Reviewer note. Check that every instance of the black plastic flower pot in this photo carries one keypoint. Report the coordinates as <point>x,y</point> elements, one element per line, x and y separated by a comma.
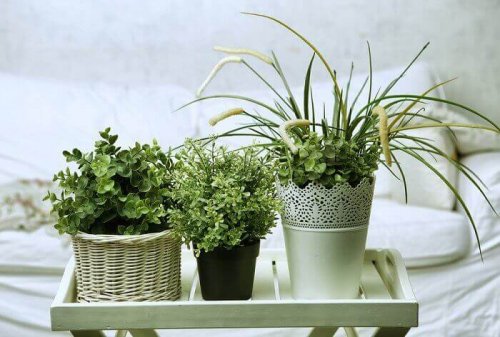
<point>228,274</point>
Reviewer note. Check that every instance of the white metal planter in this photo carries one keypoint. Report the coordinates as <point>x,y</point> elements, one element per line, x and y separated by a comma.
<point>325,236</point>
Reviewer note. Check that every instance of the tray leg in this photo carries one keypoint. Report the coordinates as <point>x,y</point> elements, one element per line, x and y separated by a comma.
<point>143,333</point>
<point>87,333</point>
<point>391,332</point>
<point>323,332</point>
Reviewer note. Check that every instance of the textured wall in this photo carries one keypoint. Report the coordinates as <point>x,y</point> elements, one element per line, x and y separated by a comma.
<point>169,41</point>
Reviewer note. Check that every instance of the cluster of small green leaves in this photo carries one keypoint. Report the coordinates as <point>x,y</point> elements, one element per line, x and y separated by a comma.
<point>328,160</point>
<point>115,191</point>
<point>223,198</point>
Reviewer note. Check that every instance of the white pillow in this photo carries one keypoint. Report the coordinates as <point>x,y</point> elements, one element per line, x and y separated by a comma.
<point>486,166</point>
<point>424,187</point>
<point>469,141</point>
<point>41,118</point>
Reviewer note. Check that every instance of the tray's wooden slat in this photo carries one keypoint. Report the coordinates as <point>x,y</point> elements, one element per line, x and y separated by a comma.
<point>263,288</point>
<point>67,288</point>
<point>188,273</point>
<point>391,268</point>
<point>195,290</point>
<point>234,314</point>
<point>283,280</point>
<point>372,284</point>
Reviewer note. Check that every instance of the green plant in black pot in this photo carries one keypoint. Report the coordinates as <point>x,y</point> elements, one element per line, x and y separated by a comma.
<point>226,203</point>
<point>114,206</point>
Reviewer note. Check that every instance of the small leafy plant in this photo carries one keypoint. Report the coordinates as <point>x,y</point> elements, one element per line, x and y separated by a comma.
<point>328,160</point>
<point>114,191</point>
<point>223,198</point>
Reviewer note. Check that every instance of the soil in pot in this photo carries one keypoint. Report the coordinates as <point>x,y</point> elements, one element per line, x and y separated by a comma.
<point>228,274</point>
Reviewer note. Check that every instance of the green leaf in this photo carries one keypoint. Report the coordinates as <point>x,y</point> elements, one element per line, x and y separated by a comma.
<point>316,155</point>
<point>77,153</point>
<point>320,168</point>
<point>112,139</point>
<point>105,186</point>
<point>309,164</point>
<point>144,185</point>
<point>307,83</point>
<point>329,152</point>
<point>283,172</point>
<point>100,165</point>
<point>105,134</point>
<point>395,81</point>
<point>83,182</point>
<point>292,100</point>
<point>303,153</point>
<point>129,210</point>
<point>136,179</point>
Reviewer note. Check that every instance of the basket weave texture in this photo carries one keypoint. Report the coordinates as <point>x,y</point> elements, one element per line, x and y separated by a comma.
<point>117,268</point>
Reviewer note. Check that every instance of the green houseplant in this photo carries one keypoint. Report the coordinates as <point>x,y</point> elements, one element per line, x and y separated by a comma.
<point>114,206</point>
<point>226,203</point>
<point>327,161</point>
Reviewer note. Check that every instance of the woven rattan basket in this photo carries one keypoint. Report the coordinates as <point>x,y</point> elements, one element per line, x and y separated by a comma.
<point>127,267</point>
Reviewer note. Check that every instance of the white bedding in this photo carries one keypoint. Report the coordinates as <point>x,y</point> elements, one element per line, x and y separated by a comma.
<point>460,298</point>
<point>46,117</point>
<point>456,298</point>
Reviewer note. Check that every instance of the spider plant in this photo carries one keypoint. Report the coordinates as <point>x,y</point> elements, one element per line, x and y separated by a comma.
<point>348,143</point>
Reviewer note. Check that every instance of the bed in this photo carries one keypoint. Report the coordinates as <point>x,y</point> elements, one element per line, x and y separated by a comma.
<point>458,294</point>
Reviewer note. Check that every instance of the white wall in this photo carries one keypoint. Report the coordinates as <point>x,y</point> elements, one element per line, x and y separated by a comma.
<point>156,41</point>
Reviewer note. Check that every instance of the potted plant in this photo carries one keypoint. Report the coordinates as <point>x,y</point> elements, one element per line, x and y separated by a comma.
<point>327,163</point>
<point>226,203</point>
<point>114,206</point>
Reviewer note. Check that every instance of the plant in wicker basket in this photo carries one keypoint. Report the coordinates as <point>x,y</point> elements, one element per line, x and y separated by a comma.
<point>115,208</point>
<point>327,161</point>
<point>226,203</point>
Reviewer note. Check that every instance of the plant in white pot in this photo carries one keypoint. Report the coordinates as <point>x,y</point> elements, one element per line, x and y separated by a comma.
<point>226,203</point>
<point>327,162</point>
<point>114,206</point>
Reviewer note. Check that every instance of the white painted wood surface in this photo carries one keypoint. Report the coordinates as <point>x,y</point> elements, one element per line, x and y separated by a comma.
<point>386,300</point>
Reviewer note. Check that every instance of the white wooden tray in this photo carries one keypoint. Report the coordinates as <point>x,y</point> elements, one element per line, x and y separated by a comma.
<point>386,300</point>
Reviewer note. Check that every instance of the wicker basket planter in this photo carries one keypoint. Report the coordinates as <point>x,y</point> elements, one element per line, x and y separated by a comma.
<point>127,267</point>
<point>325,236</point>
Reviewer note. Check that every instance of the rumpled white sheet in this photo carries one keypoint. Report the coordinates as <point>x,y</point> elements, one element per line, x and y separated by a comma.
<point>459,299</point>
<point>456,299</point>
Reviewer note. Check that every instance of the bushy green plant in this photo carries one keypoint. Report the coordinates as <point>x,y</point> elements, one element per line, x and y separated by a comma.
<point>114,191</point>
<point>223,198</point>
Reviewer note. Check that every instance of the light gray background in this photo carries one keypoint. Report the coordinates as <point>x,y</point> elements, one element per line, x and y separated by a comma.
<point>152,41</point>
